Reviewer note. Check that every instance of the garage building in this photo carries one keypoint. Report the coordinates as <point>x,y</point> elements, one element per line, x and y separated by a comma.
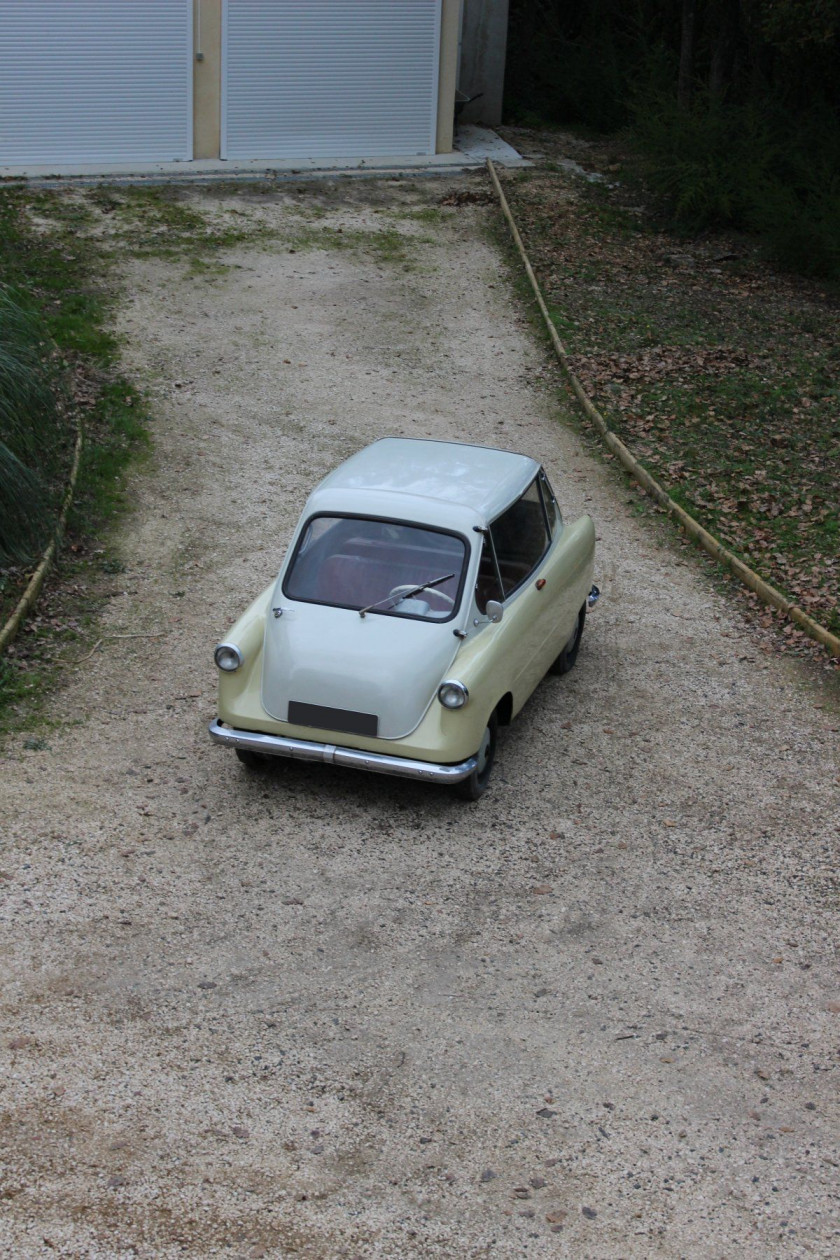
<point>87,82</point>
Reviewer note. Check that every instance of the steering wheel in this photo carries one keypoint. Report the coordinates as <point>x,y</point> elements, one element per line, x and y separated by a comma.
<point>432,590</point>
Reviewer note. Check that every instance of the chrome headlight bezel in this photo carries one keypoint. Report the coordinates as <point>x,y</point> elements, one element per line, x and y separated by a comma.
<point>457,694</point>
<point>228,658</point>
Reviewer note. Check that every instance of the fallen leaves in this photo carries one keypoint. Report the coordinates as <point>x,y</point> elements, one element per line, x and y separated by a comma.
<point>722,380</point>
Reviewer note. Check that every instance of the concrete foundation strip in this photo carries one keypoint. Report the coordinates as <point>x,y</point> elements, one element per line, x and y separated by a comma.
<point>763,589</point>
<point>37,580</point>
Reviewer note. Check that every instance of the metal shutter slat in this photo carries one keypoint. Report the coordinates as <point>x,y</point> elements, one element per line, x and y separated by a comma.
<point>93,81</point>
<point>329,79</point>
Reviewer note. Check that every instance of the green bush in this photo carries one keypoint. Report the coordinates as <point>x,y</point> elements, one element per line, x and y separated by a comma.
<point>32,432</point>
<point>757,148</point>
<point>798,212</point>
<point>709,164</point>
<point>802,235</point>
<point>750,167</point>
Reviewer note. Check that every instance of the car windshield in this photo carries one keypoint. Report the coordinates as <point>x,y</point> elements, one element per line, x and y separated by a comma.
<point>377,567</point>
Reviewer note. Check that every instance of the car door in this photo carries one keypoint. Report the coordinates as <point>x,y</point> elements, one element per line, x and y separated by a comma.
<point>520,542</point>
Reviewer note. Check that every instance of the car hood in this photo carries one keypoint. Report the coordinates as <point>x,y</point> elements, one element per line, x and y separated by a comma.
<point>316,657</point>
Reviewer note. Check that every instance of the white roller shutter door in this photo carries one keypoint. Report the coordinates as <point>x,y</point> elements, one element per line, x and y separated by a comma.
<point>329,78</point>
<point>95,81</point>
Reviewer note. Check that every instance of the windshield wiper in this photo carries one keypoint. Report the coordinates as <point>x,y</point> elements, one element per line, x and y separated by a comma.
<point>407,594</point>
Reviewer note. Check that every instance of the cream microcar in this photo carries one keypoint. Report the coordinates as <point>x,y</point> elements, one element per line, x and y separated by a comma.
<point>427,589</point>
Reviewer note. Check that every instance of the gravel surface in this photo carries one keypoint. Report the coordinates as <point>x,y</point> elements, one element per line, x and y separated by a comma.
<point>316,1013</point>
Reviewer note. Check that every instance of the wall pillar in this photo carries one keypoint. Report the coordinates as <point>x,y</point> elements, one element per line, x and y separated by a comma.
<point>207,78</point>
<point>450,24</point>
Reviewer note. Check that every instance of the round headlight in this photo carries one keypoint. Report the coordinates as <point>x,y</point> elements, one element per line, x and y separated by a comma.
<point>228,657</point>
<point>453,694</point>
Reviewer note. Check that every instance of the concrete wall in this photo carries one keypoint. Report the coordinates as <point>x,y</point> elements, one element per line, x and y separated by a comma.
<point>483,49</point>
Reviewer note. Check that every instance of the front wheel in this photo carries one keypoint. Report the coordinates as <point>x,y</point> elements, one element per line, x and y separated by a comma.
<point>472,788</point>
<point>568,656</point>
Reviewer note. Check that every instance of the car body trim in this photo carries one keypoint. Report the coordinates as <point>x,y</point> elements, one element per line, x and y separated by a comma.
<point>354,758</point>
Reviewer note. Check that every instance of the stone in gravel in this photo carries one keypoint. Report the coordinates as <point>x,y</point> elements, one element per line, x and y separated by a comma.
<point>538,1183</point>
<point>557,1217</point>
<point>116,1181</point>
<point>487,1175</point>
<point>589,1213</point>
<point>522,1192</point>
<point>207,984</point>
<point>240,1131</point>
<point>545,1113</point>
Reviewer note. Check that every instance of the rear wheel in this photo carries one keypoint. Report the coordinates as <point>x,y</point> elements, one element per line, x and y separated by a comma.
<point>568,656</point>
<point>472,788</point>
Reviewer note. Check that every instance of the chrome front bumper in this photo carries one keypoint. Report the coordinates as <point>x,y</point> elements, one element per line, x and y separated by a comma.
<point>355,758</point>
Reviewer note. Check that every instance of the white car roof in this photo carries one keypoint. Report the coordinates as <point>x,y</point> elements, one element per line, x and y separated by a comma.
<point>393,471</point>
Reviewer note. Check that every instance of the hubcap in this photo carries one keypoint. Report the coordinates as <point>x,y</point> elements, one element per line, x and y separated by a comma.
<point>484,751</point>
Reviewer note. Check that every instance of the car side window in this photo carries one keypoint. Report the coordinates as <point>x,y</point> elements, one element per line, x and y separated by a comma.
<point>520,538</point>
<point>487,584</point>
<point>552,511</point>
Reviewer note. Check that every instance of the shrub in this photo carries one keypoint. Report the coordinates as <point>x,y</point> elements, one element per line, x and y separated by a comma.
<point>751,167</point>
<point>708,164</point>
<point>32,431</point>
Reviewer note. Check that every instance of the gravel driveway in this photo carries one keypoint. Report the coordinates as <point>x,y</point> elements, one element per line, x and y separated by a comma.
<point>323,1014</point>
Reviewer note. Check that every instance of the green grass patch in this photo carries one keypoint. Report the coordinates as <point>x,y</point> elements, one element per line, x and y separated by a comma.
<point>386,245</point>
<point>198,226</point>
<point>50,253</point>
<point>173,223</point>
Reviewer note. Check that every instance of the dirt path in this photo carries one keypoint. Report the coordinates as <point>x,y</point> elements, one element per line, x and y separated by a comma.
<point>322,1014</point>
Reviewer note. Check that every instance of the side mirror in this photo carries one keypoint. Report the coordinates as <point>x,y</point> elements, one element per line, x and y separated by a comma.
<point>494,611</point>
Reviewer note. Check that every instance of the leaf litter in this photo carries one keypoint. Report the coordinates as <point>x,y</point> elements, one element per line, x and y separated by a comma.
<point>720,374</point>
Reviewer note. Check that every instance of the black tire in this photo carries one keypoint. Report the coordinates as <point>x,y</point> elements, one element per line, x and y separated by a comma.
<point>475,786</point>
<point>564,662</point>
<point>253,760</point>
